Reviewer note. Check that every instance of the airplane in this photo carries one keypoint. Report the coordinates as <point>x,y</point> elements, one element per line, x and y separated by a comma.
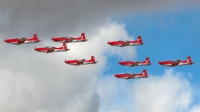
<point>136,63</point>
<point>23,40</point>
<point>50,49</point>
<point>132,76</point>
<point>121,43</point>
<point>68,39</point>
<point>81,62</point>
<point>171,63</point>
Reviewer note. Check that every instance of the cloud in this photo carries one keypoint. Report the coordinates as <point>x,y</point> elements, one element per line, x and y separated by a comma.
<point>170,92</point>
<point>47,17</point>
<point>33,81</point>
<point>195,108</point>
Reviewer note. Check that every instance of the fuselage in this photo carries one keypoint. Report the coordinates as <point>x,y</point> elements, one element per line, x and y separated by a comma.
<point>17,41</point>
<point>124,43</point>
<point>131,63</point>
<point>130,76</point>
<point>68,39</point>
<point>175,63</point>
<point>80,62</point>
<point>51,49</point>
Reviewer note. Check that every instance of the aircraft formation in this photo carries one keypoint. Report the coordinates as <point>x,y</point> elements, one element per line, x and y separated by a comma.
<point>146,62</point>
<point>51,49</point>
<point>82,38</point>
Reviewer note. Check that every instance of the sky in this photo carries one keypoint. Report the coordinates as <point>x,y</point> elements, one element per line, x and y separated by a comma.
<point>37,82</point>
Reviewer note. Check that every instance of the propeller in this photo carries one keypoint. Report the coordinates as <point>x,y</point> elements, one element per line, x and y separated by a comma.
<point>119,59</point>
<point>158,59</point>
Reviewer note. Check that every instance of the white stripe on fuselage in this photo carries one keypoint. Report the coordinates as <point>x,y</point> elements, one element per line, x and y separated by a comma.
<point>28,42</point>
<point>79,40</point>
<point>141,64</point>
<point>60,50</point>
<point>181,64</point>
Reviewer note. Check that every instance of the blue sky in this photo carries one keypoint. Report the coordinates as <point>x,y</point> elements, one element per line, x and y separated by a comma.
<point>167,35</point>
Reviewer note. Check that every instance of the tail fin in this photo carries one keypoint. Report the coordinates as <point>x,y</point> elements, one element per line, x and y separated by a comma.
<point>92,58</point>
<point>35,36</point>
<point>144,73</point>
<point>140,39</point>
<point>189,59</point>
<point>147,60</point>
<point>83,36</point>
<point>64,46</point>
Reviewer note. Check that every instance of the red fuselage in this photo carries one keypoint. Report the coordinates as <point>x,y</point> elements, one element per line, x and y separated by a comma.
<point>174,63</point>
<point>171,63</point>
<point>135,63</point>
<point>50,49</point>
<point>132,63</point>
<point>121,43</point>
<point>132,76</point>
<point>68,39</point>
<point>81,62</point>
<point>63,39</point>
<point>23,40</point>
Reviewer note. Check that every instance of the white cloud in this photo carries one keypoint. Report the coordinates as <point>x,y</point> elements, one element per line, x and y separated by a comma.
<point>36,82</point>
<point>196,108</point>
<point>170,92</point>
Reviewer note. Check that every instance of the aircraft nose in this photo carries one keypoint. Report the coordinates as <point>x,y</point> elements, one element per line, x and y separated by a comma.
<point>120,63</point>
<point>6,40</point>
<point>53,39</point>
<point>66,61</point>
<point>116,75</point>
<point>36,49</point>
<point>159,62</point>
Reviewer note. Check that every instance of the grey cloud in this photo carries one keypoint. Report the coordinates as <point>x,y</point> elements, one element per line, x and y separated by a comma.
<point>48,17</point>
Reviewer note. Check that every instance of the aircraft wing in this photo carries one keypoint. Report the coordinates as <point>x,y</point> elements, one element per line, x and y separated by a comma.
<point>175,63</point>
<point>51,49</point>
<point>81,61</point>
<point>125,43</point>
<point>22,40</point>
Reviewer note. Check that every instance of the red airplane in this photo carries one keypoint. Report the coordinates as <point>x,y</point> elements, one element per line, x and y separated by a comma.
<point>81,62</point>
<point>66,39</point>
<point>132,76</point>
<point>137,63</point>
<point>23,40</point>
<point>171,63</point>
<point>50,49</point>
<point>121,43</point>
